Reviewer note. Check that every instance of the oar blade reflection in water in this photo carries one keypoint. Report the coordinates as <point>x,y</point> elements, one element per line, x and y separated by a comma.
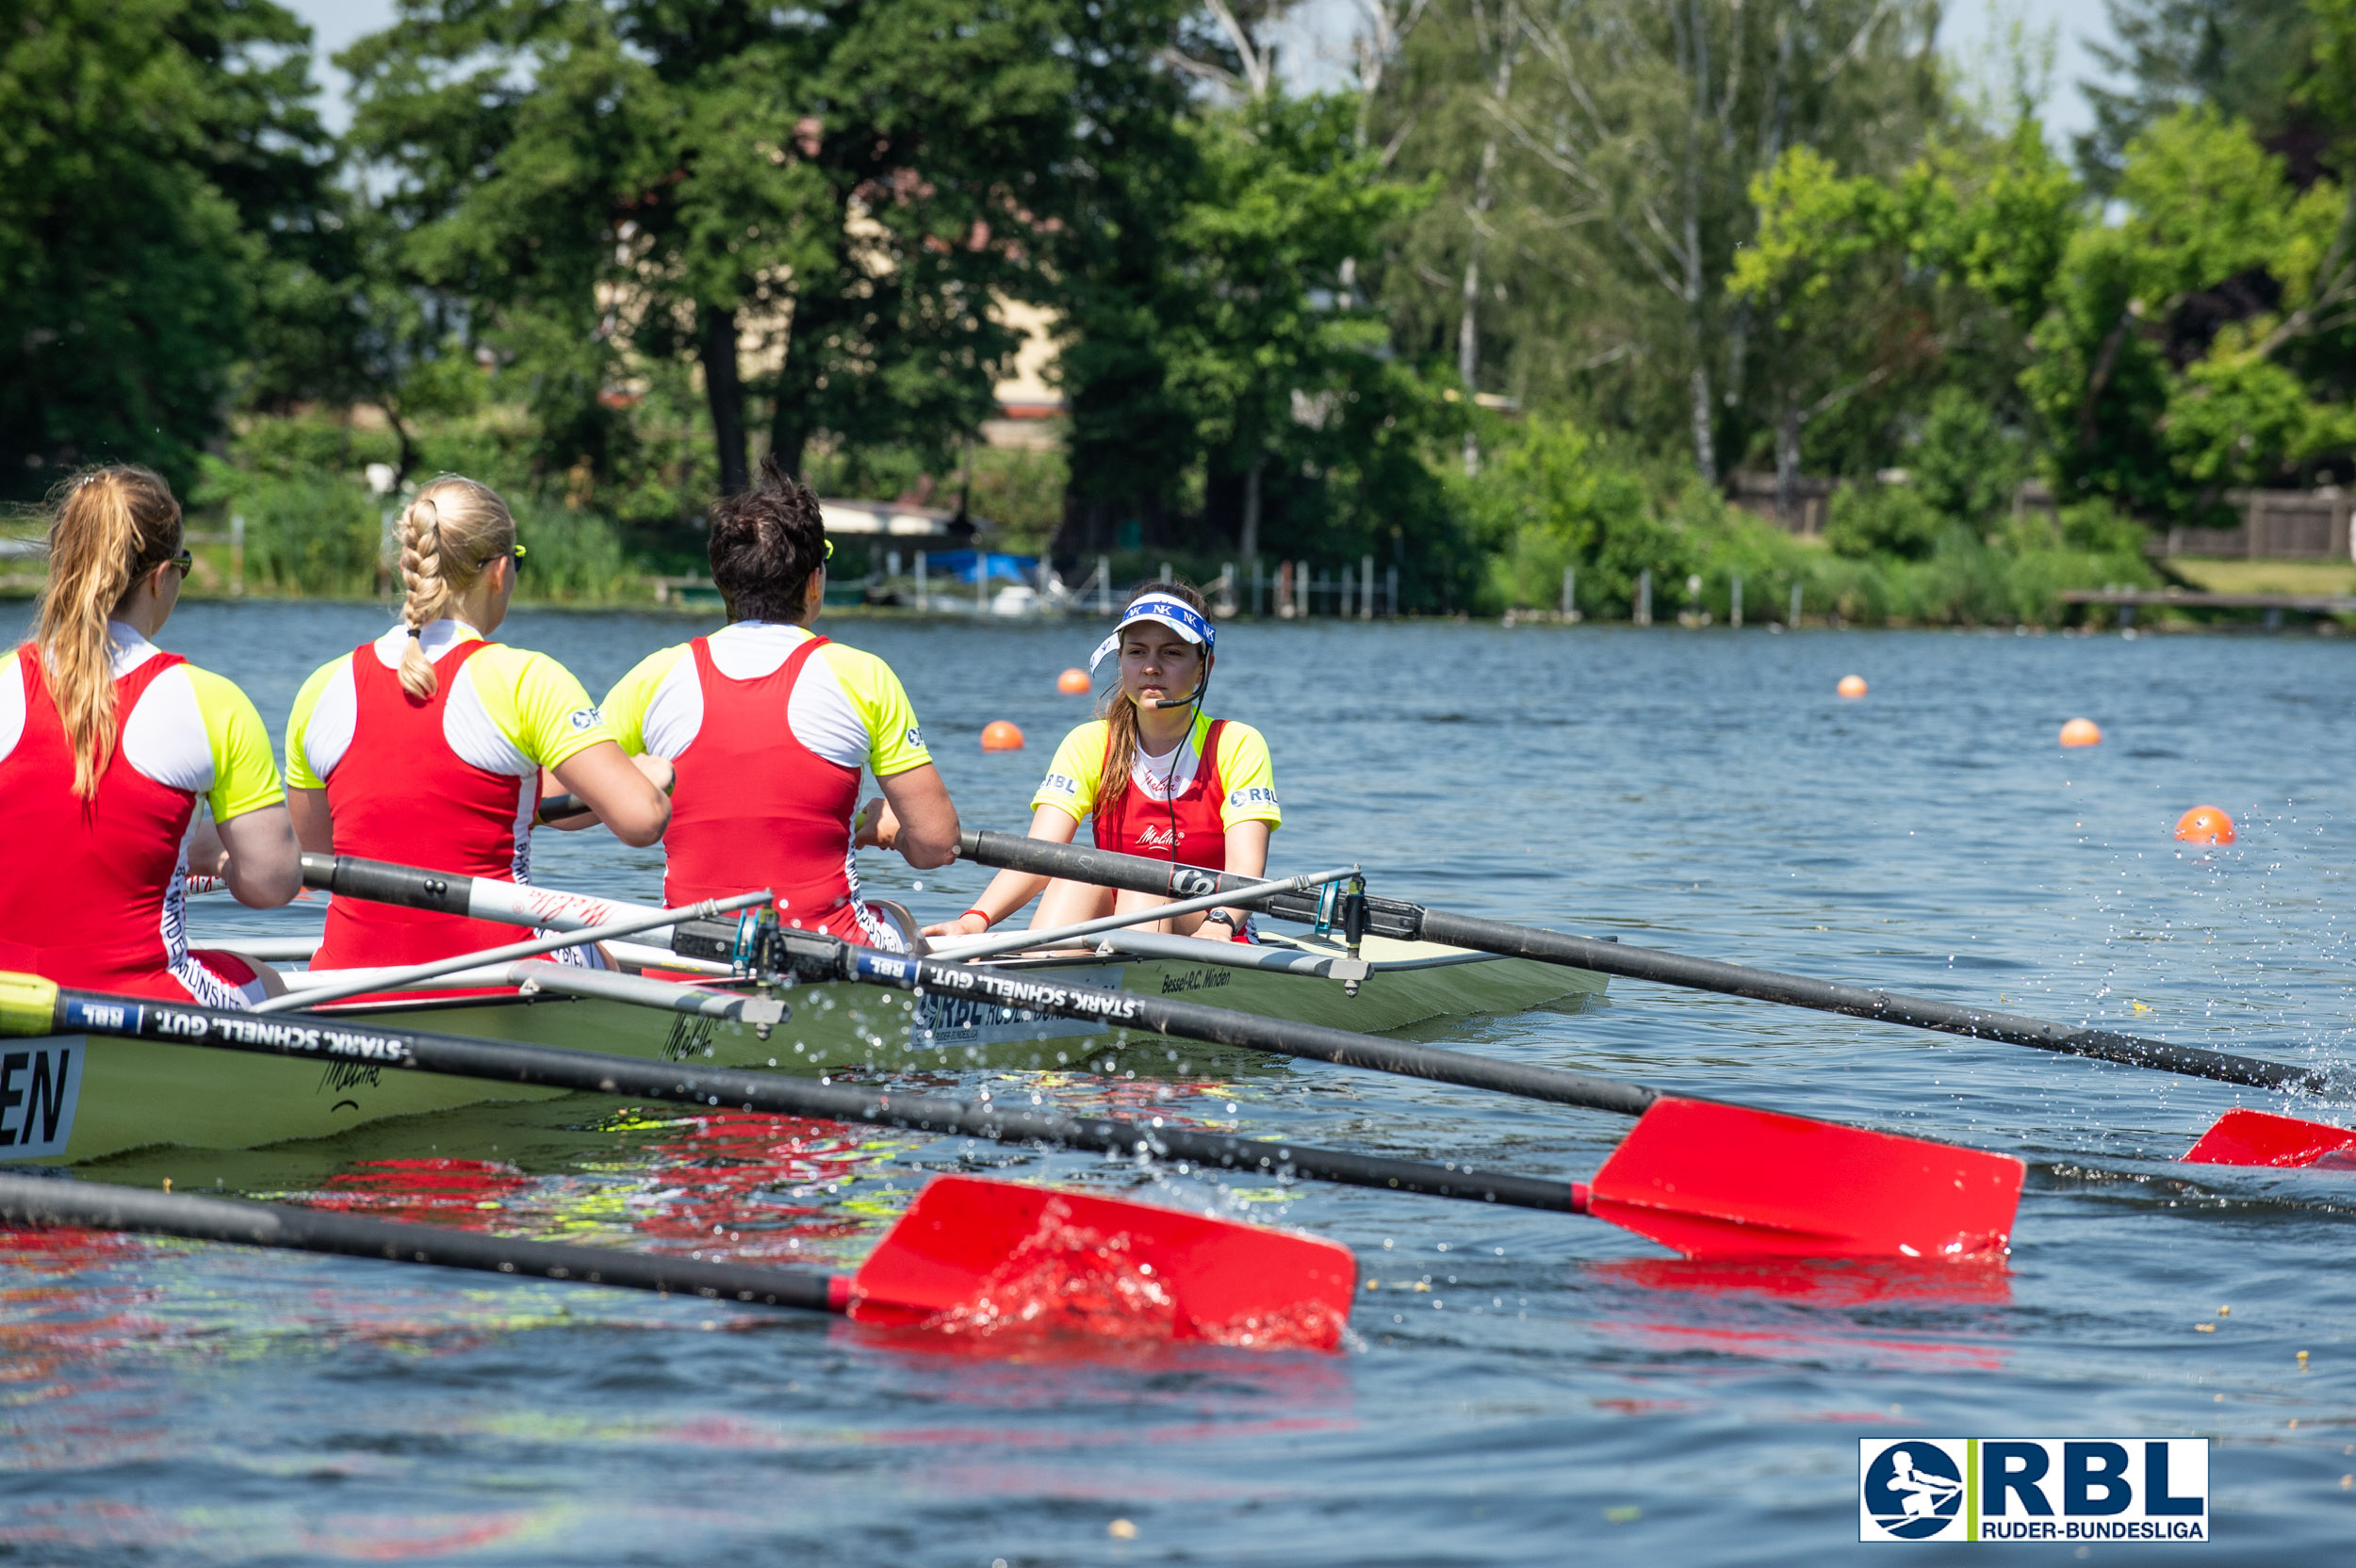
<point>1717,1181</point>
<point>2284,1142</point>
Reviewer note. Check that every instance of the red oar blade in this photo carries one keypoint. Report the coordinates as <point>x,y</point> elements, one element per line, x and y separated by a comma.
<point>977,1258</point>
<point>1714,1180</point>
<point>2261,1138</point>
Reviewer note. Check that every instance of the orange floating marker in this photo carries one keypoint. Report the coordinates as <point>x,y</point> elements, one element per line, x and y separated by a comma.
<point>1073,682</point>
<point>998,735</point>
<point>2082,732</point>
<point>1852,686</point>
<point>2205,824</point>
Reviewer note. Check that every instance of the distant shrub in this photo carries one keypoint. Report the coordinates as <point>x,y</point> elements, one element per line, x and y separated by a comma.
<point>1882,519</point>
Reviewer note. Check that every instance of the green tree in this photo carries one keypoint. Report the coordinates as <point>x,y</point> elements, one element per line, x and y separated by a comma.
<point>817,207</point>
<point>158,165</point>
<point>1626,136</point>
<point>2242,58</point>
<point>2206,340</point>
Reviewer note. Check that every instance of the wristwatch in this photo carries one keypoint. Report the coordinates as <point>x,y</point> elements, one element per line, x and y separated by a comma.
<point>1222,917</point>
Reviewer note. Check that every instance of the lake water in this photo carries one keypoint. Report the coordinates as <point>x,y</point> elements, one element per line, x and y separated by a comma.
<point>1557,1393</point>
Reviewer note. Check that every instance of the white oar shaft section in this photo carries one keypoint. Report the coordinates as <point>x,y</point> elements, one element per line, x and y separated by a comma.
<point>531,975</point>
<point>378,979</point>
<point>983,947</point>
<point>476,897</point>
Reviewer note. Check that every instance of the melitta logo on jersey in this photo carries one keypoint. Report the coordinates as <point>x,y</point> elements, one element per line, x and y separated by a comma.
<point>1161,838</point>
<point>2033,1488</point>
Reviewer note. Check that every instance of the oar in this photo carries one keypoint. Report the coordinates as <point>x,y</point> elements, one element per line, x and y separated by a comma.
<point>969,1255</point>
<point>1412,922</point>
<point>361,982</point>
<point>1701,1178</point>
<point>2262,1137</point>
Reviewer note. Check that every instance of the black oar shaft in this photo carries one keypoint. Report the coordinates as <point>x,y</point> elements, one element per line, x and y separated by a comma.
<point>38,1200</point>
<point>311,1038</point>
<point>1395,918</point>
<point>1030,991</point>
<point>1671,969</point>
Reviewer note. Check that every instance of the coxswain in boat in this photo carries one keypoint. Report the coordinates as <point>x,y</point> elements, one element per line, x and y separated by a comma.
<point>1156,775</point>
<point>106,744</point>
<point>427,745</point>
<point>768,725</point>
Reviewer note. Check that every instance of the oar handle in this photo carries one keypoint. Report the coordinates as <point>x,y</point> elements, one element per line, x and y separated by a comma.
<point>1386,917</point>
<point>30,1005</point>
<point>1412,922</point>
<point>555,808</point>
<point>41,1201</point>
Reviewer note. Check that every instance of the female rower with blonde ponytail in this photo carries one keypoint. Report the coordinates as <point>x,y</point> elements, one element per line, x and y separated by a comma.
<point>106,742</point>
<point>426,746</point>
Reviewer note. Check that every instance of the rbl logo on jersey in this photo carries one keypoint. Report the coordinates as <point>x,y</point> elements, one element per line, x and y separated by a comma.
<point>2033,1488</point>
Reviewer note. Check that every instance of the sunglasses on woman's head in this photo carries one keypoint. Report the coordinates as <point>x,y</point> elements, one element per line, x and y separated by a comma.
<point>184,563</point>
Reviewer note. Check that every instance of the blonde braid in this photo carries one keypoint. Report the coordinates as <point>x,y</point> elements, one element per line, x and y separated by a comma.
<point>109,528</point>
<point>454,528</point>
<point>427,592</point>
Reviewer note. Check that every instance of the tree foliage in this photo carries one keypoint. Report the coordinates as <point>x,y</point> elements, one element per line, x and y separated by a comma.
<point>159,170</point>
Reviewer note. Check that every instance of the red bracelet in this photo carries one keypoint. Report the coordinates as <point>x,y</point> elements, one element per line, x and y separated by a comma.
<point>986,921</point>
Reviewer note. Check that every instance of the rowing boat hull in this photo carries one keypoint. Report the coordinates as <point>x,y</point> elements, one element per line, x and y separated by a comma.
<point>129,1094</point>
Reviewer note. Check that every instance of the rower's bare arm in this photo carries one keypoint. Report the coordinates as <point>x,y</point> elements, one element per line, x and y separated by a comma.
<point>1247,855</point>
<point>260,859</point>
<point>1010,889</point>
<point>624,798</point>
<point>314,825</point>
<point>924,819</point>
<point>657,769</point>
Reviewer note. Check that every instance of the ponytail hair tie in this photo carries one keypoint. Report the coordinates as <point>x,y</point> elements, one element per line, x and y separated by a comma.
<point>417,631</point>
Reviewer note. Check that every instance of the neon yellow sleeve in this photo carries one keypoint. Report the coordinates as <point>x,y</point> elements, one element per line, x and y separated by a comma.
<point>298,774</point>
<point>1076,774</point>
<point>536,703</point>
<point>1249,775</point>
<point>244,778</point>
<point>625,707</point>
<point>894,744</point>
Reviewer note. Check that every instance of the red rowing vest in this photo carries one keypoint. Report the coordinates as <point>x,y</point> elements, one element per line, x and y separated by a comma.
<point>1189,830</point>
<point>84,883</point>
<point>401,794</point>
<point>754,807</point>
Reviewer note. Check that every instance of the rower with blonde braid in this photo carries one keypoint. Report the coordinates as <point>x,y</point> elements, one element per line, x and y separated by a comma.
<point>429,745</point>
<point>106,744</point>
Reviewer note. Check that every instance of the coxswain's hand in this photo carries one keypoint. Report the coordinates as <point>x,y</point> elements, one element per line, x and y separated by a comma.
<point>967,925</point>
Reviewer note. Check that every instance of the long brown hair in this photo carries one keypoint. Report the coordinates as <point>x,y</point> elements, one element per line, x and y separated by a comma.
<point>1119,711</point>
<point>453,530</point>
<point>108,528</point>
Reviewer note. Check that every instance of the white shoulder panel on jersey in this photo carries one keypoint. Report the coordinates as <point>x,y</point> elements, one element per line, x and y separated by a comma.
<point>11,703</point>
<point>165,737</point>
<point>675,714</point>
<point>467,726</point>
<point>823,718</point>
<point>328,735</point>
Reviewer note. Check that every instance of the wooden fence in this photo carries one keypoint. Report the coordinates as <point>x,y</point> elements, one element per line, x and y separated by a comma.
<point>2277,525</point>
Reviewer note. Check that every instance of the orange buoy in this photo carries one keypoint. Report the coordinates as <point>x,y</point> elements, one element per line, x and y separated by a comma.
<point>2082,732</point>
<point>2205,824</point>
<point>1852,685</point>
<point>1073,682</point>
<point>998,735</point>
